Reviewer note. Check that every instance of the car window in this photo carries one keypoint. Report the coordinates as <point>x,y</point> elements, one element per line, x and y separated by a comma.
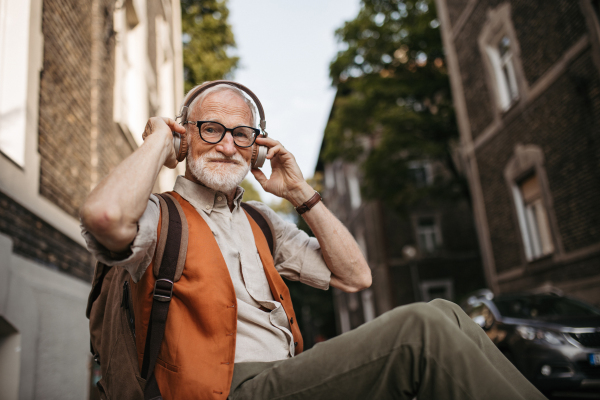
<point>543,306</point>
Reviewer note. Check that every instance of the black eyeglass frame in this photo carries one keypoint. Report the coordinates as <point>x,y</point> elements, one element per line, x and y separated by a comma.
<point>226,129</point>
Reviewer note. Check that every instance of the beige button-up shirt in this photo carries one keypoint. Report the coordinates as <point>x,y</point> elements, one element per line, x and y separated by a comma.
<point>261,335</point>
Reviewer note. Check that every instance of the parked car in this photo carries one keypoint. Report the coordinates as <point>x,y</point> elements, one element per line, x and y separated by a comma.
<point>552,339</point>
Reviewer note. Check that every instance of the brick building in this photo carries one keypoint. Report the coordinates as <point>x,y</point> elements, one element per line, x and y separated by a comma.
<point>526,85</point>
<point>429,252</point>
<point>78,80</point>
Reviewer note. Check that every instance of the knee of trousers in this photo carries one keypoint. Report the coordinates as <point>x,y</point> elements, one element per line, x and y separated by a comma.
<point>420,315</point>
<point>445,305</point>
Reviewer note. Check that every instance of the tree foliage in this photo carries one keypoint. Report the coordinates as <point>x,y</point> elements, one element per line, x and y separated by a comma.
<point>393,104</point>
<point>250,192</point>
<point>207,38</point>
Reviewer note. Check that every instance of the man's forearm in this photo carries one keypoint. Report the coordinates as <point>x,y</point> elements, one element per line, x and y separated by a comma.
<point>349,269</point>
<point>114,207</point>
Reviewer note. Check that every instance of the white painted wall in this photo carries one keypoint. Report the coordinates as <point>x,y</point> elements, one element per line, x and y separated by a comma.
<point>47,308</point>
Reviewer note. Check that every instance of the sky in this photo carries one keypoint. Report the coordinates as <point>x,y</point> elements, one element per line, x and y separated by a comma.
<point>285,48</point>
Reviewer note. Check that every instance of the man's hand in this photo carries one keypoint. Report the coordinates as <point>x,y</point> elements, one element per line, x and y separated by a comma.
<point>286,178</point>
<point>349,269</point>
<point>112,210</point>
<point>163,127</point>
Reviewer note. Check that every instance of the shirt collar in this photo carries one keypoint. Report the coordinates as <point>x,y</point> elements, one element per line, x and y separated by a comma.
<point>204,198</point>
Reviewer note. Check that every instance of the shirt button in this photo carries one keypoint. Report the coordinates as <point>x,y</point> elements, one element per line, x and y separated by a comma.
<point>219,198</point>
<point>207,207</point>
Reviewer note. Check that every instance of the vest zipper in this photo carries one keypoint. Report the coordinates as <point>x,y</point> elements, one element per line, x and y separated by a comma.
<point>127,304</point>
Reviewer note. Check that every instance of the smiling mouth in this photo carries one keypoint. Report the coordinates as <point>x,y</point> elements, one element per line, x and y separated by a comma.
<point>225,161</point>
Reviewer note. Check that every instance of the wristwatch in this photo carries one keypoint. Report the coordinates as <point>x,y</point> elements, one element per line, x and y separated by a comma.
<point>310,203</point>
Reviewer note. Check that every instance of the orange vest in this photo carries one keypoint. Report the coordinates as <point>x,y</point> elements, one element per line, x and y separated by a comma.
<point>198,350</point>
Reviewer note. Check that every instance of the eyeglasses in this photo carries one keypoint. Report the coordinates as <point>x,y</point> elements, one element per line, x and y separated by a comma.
<point>213,132</point>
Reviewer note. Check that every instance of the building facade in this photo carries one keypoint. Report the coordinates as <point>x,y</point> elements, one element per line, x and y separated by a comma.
<point>525,77</point>
<point>429,252</point>
<point>78,80</point>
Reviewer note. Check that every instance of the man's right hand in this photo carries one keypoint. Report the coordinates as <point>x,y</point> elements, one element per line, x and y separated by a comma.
<point>163,127</point>
<point>112,210</point>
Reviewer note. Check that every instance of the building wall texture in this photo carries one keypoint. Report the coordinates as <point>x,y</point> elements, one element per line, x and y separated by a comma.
<point>559,112</point>
<point>72,140</point>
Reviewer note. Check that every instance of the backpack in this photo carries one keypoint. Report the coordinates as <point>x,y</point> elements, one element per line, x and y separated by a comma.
<point>110,308</point>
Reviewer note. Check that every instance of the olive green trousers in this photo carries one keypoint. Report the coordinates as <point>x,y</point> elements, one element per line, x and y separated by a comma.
<point>424,350</point>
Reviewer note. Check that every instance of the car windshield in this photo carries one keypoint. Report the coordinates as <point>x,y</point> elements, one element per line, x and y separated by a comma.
<point>543,306</point>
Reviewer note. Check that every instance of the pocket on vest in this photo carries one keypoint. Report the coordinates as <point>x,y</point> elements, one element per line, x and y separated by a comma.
<point>166,365</point>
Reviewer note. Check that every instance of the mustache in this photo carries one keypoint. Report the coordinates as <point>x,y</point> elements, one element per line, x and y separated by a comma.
<point>216,156</point>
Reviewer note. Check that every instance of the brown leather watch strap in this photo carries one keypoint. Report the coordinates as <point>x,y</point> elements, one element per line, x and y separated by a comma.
<point>310,203</point>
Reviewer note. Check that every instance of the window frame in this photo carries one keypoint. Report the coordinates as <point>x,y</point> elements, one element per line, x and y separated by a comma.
<point>447,284</point>
<point>526,161</point>
<point>533,242</point>
<point>437,233</point>
<point>498,26</point>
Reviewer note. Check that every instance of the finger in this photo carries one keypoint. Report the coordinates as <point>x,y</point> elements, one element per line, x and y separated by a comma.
<point>266,141</point>
<point>279,149</point>
<point>173,125</point>
<point>260,176</point>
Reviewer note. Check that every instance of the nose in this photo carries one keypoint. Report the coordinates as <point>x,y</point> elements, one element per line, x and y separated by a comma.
<point>226,146</point>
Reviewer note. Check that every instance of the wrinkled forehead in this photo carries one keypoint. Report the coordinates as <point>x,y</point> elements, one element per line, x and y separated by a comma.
<point>225,103</point>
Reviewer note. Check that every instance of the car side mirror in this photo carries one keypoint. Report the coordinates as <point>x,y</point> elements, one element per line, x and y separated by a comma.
<point>480,320</point>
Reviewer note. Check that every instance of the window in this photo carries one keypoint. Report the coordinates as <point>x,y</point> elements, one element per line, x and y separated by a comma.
<point>329,176</point>
<point>442,289</point>
<point>339,180</point>
<point>502,60</point>
<point>368,305</point>
<point>420,173</point>
<point>533,218</point>
<point>354,187</point>
<point>14,61</point>
<point>428,234</point>
<point>500,51</point>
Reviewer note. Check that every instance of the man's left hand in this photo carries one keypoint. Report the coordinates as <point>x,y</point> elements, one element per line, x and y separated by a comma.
<point>286,178</point>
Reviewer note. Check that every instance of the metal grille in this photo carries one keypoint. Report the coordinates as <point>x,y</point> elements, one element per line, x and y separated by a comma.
<point>587,339</point>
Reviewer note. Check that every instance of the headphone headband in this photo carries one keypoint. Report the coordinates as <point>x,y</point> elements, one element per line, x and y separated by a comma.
<point>184,110</point>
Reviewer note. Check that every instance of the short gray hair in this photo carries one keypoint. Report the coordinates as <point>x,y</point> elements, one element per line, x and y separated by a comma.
<point>219,88</point>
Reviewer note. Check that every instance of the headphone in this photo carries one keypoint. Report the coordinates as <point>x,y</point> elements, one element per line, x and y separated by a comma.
<point>259,153</point>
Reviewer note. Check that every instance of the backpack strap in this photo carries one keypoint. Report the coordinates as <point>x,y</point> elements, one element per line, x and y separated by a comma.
<point>263,223</point>
<point>163,291</point>
<point>162,240</point>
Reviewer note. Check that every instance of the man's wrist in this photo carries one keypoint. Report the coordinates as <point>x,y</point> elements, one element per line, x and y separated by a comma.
<point>162,140</point>
<point>301,195</point>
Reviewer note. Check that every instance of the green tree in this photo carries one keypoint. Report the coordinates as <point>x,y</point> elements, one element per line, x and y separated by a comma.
<point>250,192</point>
<point>207,38</point>
<point>393,104</point>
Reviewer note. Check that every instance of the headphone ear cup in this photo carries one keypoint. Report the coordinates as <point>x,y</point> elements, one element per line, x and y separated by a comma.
<point>183,148</point>
<point>259,155</point>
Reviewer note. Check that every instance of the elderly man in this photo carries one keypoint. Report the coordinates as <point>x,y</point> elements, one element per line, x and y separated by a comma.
<point>431,350</point>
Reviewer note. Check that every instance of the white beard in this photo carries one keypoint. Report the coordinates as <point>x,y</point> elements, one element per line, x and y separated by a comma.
<point>222,177</point>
